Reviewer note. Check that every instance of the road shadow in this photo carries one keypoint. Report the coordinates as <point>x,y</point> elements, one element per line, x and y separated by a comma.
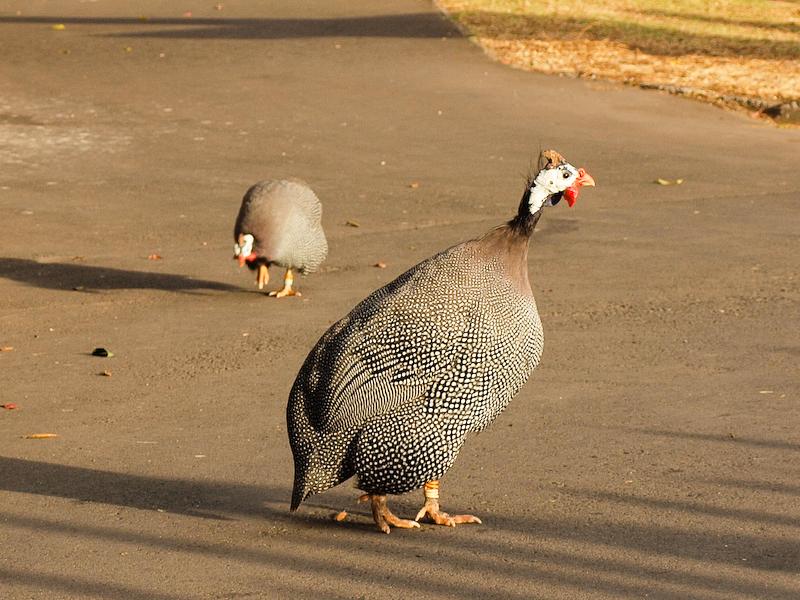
<point>87,278</point>
<point>414,25</point>
<point>208,500</point>
<point>715,437</point>
<point>519,550</point>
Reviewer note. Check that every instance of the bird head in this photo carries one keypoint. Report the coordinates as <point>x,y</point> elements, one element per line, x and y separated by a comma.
<point>243,249</point>
<point>557,179</point>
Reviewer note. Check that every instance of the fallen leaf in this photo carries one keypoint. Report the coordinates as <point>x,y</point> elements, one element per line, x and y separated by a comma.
<point>58,27</point>
<point>340,516</point>
<point>41,436</point>
<point>414,185</point>
<point>154,257</point>
<point>128,49</point>
<point>380,265</point>
<point>102,352</point>
<point>9,406</point>
<point>660,181</point>
<point>218,7</point>
<point>678,181</point>
<point>353,223</point>
<point>106,373</point>
<point>7,349</point>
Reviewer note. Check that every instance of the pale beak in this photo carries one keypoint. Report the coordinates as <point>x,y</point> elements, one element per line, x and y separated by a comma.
<point>584,179</point>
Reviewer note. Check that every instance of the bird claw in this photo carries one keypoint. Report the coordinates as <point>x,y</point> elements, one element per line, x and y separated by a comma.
<point>285,292</point>
<point>431,510</point>
<point>384,518</point>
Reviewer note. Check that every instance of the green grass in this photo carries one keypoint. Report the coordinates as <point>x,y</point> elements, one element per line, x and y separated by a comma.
<point>725,47</point>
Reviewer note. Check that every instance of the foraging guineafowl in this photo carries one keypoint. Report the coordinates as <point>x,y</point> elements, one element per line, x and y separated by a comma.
<point>279,223</point>
<point>390,392</point>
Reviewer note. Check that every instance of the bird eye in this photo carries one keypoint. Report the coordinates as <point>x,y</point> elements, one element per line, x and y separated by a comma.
<point>567,174</point>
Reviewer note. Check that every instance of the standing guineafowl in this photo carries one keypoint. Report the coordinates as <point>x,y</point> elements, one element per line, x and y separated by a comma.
<point>279,223</point>
<point>390,392</point>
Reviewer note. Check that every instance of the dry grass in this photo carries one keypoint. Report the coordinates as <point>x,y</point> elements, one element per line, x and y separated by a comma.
<point>721,50</point>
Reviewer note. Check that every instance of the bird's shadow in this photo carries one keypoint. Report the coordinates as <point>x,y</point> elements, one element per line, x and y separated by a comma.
<point>208,500</point>
<point>88,278</point>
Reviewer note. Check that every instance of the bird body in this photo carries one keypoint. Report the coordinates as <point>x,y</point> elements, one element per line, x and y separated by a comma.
<point>284,220</point>
<point>391,391</point>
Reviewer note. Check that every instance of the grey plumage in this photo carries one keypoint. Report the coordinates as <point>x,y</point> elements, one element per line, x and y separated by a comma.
<point>285,218</point>
<point>390,392</point>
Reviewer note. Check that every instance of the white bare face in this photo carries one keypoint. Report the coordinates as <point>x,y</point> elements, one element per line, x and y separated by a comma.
<point>551,181</point>
<point>246,247</point>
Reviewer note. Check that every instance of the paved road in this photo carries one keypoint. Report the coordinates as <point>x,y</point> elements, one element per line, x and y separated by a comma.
<point>655,452</point>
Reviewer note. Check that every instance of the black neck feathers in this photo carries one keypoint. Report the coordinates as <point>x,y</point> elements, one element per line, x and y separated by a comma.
<point>525,222</point>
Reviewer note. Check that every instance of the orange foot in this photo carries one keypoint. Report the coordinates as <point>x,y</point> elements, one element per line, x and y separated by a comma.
<point>384,518</point>
<point>287,290</point>
<point>431,509</point>
<point>262,278</point>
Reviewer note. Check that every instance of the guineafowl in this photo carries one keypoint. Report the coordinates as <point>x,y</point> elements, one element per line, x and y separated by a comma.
<point>279,223</point>
<point>391,391</point>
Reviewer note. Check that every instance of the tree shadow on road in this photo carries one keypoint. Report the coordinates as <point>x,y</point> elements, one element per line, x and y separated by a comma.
<point>518,554</point>
<point>80,277</point>
<point>414,25</point>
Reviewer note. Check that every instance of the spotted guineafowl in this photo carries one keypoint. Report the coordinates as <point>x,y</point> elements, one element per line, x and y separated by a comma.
<point>390,392</point>
<point>279,223</point>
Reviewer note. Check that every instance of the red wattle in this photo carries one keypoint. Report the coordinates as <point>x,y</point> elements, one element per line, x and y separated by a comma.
<point>242,258</point>
<point>571,195</point>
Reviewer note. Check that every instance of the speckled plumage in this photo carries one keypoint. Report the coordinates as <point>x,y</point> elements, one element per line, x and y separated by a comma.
<point>285,218</point>
<point>390,392</point>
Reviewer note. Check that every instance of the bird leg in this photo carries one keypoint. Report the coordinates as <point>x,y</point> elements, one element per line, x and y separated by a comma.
<point>431,509</point>
<point>262,278</point>
<point>287,290</point>
<point>384,518</point>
